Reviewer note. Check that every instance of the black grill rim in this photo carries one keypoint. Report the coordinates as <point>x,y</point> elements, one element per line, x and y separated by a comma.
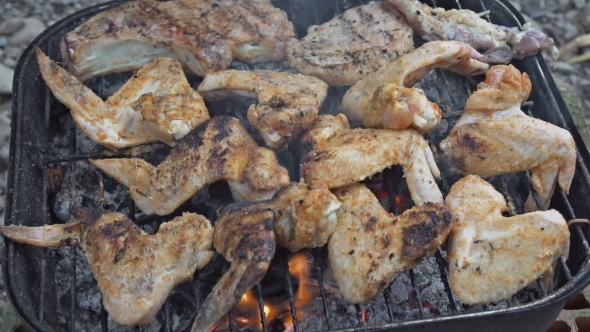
<point>552,302</point>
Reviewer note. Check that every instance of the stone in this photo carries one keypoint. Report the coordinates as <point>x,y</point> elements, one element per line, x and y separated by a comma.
<point>10,62</point>
<point>564,67</point>
<point>3,41</point>
<point>580,4</point>
<point>33,27</point>
<point>570,31</point>
<point>6,75</point>
<point>11,26</point>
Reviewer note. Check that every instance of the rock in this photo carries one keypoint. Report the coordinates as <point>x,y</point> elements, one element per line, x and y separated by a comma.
<point>6,107</point>
<point>580,4</point>
<point>570,31</point>
<point>10,62</point>
<point>33,27</point>
<point>11,26</point>
<point>6,74</point>
<point>564,67</point>
<point>3,41</point>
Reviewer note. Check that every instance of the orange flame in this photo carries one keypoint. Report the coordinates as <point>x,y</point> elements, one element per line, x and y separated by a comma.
<point>299,267</point>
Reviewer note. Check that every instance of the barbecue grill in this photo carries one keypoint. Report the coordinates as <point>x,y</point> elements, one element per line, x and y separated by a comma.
<point>53,290</point>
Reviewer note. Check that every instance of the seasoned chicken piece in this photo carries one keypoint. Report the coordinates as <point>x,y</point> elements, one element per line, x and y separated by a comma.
<point>353,44</point>
<point>135,271</point>
<point>306,215</point>
<point>219,149</point>
<point>489,141</point>
<point>156,104</point>
<point>287,103</point>
<point>499,44</point>
<point>340,156</point>
<point>371,247</point>
<point>244,236</point>
<point>204,35</point>
<point>492,257</point>
<point>383,99</point>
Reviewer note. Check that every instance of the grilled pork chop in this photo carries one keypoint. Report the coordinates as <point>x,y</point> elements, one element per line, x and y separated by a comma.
<point>204,35</point>
<point>353,44</point>
<point>371,247</point>
<point>135,271</point>
<point>487,140</point>
<point>244,236</point>
<point>156,104</point>
<point>383,98</point>
<point>287,103</point>
<point>491,257</point>
<point>340,156</point>
<point>219,149</point>
<point>499,44</point>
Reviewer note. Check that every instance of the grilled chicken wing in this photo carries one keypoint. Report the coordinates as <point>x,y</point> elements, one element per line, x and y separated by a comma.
<point>384,99</point>
<point>353,44</point>
<point>287,103</point>
<point>488,141</point>
<point>244,236</point>
<point>219,149</point>
<point>340,156</point>
<point>156,104</point>
<point>499,44</point>
<point>204,35</point>
<point>135,271</point>
<point>492,257</point>
<point>371,247</point>
<point>306,215</point>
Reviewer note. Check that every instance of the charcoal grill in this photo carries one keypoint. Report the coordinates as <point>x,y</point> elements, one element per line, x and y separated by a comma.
<point>53,290</point>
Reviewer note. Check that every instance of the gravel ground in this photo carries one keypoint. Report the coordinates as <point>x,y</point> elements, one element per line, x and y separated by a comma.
<point>22,20</point>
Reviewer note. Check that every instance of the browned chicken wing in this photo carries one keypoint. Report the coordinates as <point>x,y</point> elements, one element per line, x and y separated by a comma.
<point>219,149</point>
<point>353,44</point>
<point>135,271</point>
<point>204,35</point>
<point>244,236</point>
<point>287,103</point>
<point>371,247</point>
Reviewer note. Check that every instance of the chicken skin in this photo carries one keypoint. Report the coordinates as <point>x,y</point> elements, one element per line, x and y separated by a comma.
<point>156,104</point>
<point>348,47</point>
<point>371,247</point>
<point>499,44</point>
<point>306,215</point>
<point>203,35</point>
<point>491,257</point>
<point>385,99</point>
<point>287,103</point>
<point>489,141</point>
<point>219,149</point>
<point>244,236</point>
<point>135,271</point>
<point>340,156</point>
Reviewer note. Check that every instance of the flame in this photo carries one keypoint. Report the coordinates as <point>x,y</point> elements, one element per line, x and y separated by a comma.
<point>299,267</point>
<point>364,314</point>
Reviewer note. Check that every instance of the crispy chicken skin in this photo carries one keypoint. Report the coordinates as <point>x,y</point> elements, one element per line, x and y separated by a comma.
<point>489,141</point>
<point>306,215</point>
<point>340,156</point>
<point>244,236</point>
<point>371,247</point>
<point>499,44</point>
<point>156,104</point>
<point>219,149</point>
<point>287,103</point>
<point>385,99</point>
<point>204,35</point>
<point>491,257</point>
<point>353,44</point>
<point>135,271</point>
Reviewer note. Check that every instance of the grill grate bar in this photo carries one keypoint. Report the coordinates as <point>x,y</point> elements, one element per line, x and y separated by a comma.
<point>261,307</point>
<point>324,301</point>
<point>566,270</point>
<point>104,319</point>
<point>542,288</point>
<point>167,321</point>
<point>231,323</point>
<point>415,289</point>
<point>72,323</point>
<point>442,263</point>
<point>359,315</point>
<point>291,297</point>
<point>387,296</point>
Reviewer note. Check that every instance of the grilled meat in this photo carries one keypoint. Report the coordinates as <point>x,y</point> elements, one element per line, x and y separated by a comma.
<point>499,44</point>
<point>353,44</point>
<point>219,149</point>
<point>384,99</point>
<point>489,141</point>
<point>306,215</point>
<point>492,257</point>
<point>340,156</point>
<point>244,236</point>
<point>135,271</point>
<point>204,35</point>
<point>156,104</point>
<point>287,103</point>
<point>371,247</point>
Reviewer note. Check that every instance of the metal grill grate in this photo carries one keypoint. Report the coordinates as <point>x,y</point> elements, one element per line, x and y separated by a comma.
<point>47,158</point>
